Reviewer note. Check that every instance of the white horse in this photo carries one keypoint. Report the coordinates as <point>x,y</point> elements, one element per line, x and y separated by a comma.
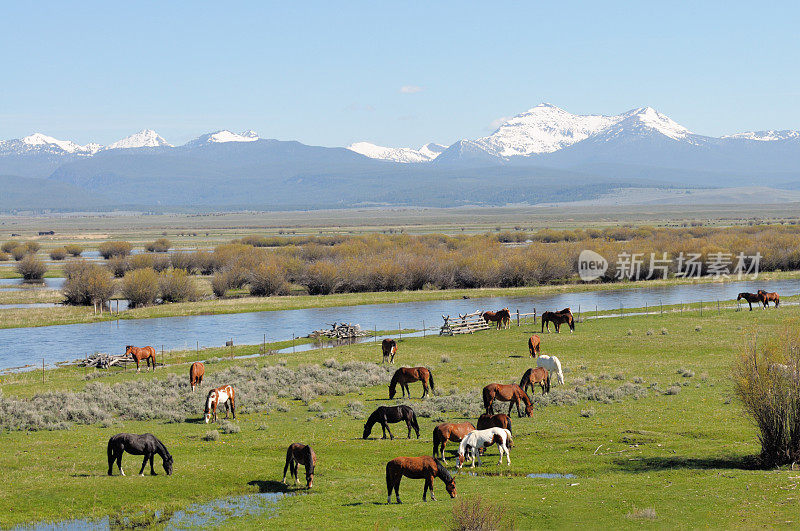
<point>552,365</point>
<point>475,440</point>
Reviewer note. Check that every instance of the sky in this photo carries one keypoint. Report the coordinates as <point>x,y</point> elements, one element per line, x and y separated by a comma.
<point>392,73</point>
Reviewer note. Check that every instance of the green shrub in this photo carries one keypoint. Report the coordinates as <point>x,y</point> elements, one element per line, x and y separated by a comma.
<point>74,249</point>
<point>211,436</point>
<point>226,426</point>
<point>268,279</point>
<point>115,248</point>
<point>31,268</point>
<point>9,245</point>
<point>140,287</point>
<point>185,261</point>
<point>59,253</point>
<point>19,252</point>
<point>176,285</point>
<point>4,257</point>
<point>220,284</point>
<point>161,245</point>
<point>87,283</point>
<point>32,247</point>
<point>118,265</point>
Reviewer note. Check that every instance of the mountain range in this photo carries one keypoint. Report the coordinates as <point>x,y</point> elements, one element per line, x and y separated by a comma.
<point>545,154</point>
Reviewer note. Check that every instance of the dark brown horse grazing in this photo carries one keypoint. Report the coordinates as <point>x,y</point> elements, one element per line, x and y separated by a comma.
<point>386,415</point>
<point>750,298</point>
<point>300,454</point>
<point>407,375</point>
<point>449,432</point>
<point>424,467</point>
<point>145,444</point>
<point>534,344</point>
<point>540,376</point>
<point>196,373</point>
<point>389,348</point>
<point>766,298</point>
<point>558,318</point>
<point>506,393</point>
<point>501,317</point>
<point>142,353</point>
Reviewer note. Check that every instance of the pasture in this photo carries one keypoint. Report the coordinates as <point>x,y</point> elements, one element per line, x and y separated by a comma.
<point>646,422</point>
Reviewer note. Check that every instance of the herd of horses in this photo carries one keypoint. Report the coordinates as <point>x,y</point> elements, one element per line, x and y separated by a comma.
<point>760,297</point>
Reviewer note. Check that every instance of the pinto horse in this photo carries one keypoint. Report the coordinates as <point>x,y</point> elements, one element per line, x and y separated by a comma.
<point>300,454</point>
<point>552,365</point>
<point>142,353</point>
<point>532,376</point>
<point>750,298</point>
<point>389,415</point>
<point>407,375</point>
<point>449,432</point>
<point>389,348</point>
<point>501,317</point>
<point>145,444</point>
<point>766,298</point>
<point>558,318</point>
<point>196,373</point>
<point>506,393</point>
<point>221,395</point>
<point>478,439</point>
<point>534,345</point>
<point>424,467</point>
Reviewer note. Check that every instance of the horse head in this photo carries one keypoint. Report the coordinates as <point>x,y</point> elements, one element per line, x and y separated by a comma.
<point>451,488</point>
<point>128,349</point>
<point>392,390</point>
<point>168,464</point>
<point>528,410</point>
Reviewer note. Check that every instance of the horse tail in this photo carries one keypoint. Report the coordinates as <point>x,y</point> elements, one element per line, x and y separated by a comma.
<point>524,377</point>
<point>430,380</point>
<point>509,425</point>
<point>487,397</point>
<point>510,441</point>
<point>414,421</point>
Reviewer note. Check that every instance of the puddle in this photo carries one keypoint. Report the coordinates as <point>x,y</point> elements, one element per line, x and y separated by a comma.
<point>551,476</point>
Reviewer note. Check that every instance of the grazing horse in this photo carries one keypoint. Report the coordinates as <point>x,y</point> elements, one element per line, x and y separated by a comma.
<point>389,415</point>
<point>766,298</point>
<point>552,365</point>
<point>196,373</point>
<point>389,348</point>
<point>558,318</point>
<point>501,420</point>
<point>475,440</point>
<point>220,395</point>
<point>407,375</point>
<point>534,345</point>
<point>423,467</point>
<point>142,353</point>
<point>540,376</point>
<point>506,393</point>
<point>501,317</point>
<point>750,298</point>
<point>300,454</point>
<point>145,444</point>
<point>449,432</point>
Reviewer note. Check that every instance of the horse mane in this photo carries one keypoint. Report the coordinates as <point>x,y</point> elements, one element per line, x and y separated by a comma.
<point>443,473</point>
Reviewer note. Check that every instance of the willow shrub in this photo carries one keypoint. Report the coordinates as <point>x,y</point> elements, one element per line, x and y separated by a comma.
<point>176,285</point>
<point>74,249</point>
<point>161,245</point>
<point>268,278</point>
<point>31,268</point>
<point>59,253</point>
<point>87,283</point>
<point>140,287</point>
<point>115,248</point>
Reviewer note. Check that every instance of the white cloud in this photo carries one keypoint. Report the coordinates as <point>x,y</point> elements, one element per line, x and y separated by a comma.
<point>410,89</point>
<point>497,122</point>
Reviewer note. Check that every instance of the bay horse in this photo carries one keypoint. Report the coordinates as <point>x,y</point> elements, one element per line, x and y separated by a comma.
<point>501,420</point>
<point>142,353</point>
<point>558,318</point>
<point>766,298</point>
<point>424,467</point>
<point>449,432</point>
<point>506,393</point>
<point>750,298</point>
<point>389,415</point>
<point>407,375</point>
<point>196,373</point>
<point>501,317</point>
<point>145,444</point>
<point>478,439</point>
<point>534,345</point>
<point>389,348</point>
<point>552,365</point>
<point>300,454</point>
<point>224,395</point>
<point>533,376</point>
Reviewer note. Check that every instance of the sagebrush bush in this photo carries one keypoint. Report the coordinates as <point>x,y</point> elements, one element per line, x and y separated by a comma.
<point>140,287</point>
<point>226,426</point>
<point>477,514</point>
<point>114,248</point>
<point>161,245</point>
<point>31,268</point>
<point>59,253</point>
<point>74,249</point>
<point>211,436</point>
<point>176,285</point>
<point>87,283</point>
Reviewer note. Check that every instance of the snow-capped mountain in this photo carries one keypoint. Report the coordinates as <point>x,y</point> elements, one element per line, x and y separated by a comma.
<point>144,138</point>
<point>426,153</point>
<point>766,136</point>
<point>39,143</point>
<point>223,136</point>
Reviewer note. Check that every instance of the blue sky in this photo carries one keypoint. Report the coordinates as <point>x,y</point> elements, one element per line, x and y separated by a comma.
<point>331,73</point>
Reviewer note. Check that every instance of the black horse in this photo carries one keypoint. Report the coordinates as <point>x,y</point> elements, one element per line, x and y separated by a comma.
<point>389,415</point>
<point>750,298</point>
<point>145,444</point>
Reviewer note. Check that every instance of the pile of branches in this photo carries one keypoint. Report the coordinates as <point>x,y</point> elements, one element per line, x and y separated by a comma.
<point>101,360</point>
<point>339,331</point>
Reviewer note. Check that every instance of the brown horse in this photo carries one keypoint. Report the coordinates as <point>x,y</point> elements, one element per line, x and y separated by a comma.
<point>142,353</point>
<point>389,348</point>
<point>221,395</point>
<point>750,298</point>
<point>424,467</point>
<point>300,454</point>
<point>506,393</point>
<point>766,298</point>
<point>407,375</point>
<point>449,432</point>
<point>501,317</point>
<point>558,318</point>
<point>486,421</point>
<point>196,373</point>
<point>534,344</point>
<point>540,376</point>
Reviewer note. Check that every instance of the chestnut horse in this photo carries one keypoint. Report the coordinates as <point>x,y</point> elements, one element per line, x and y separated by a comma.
<point>196,373</point>
<point>389,348</point>
<point>558,318</point>
<point>750,298</point>
<point>534,344</point>
<point>766,298</point>
<point>220,395</point>
<point>486,421</point>
<point>540,376</point>
<point>424,467</point>
<point>501,317</point>
<point>506,393</point>
<point>142,353</point>
<point>300,454</point>
<point>449,432</point>
<point>407,375</point>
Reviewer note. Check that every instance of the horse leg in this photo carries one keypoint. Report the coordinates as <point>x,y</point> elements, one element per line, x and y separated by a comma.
<point>424,388</point>
<point>137,363</point>
<point>119,461</point>
<point>295,466</point>
<point>408,425</point>
<point>144,462</point>
<point>286,468</point>
<point>233,408</point>
<point>152,470</point>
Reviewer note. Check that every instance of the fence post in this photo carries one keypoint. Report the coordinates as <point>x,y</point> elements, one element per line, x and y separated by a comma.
<point>423,328</point>
<point>661,307</point>
<point>579,313</point>
<point>596,315</point>
<point>162,358</point>
<point>293,343</point>
<point>197,350</point>
<point>375,333</point>
<point>717,306</point>
<point>42,370</point>
<point>534,315</point>
<point>517,316</point>
<point>701,308</point>
<point>399,330</point>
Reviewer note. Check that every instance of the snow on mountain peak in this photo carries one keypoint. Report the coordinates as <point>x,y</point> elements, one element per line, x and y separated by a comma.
<point>38,139</point>
<point>766,136</point>
<point>144,138</point>
<point>426,153</point>
<point>651,118</point>
<point>227,136</point>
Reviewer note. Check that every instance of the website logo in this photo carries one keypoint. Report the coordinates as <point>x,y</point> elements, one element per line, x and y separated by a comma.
<point>591,265</point>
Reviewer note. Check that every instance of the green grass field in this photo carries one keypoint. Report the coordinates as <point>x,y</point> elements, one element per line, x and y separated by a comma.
<point>686,456</point>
